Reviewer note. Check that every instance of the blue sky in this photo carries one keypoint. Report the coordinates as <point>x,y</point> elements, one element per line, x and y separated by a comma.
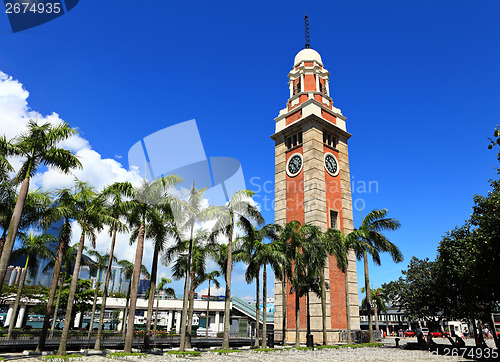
<point>419,83</point>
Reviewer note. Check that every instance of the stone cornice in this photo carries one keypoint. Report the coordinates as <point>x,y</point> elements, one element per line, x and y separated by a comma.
<point>306,103</point>
<point>313,119</point>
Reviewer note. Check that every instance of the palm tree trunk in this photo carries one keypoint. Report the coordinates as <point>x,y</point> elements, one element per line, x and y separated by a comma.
<point>97,345</point>
<point>368,298</point>
<point>493,330</point>
<point>135,284</point>
<point>189,327</point>
<point>375,312</point>
<point>151,299</point>
<point>13,226</point>
<point>257,313</point>
<point>347,309</point>
<point>96,293</point>
<point>297,320</point>
<point>71,298</point>
<point>2,240</point>
<point>323,307</point>
<point>18,298</point>
<point>308,315</point>
<point>52,292</point>
<point>264,306</point>
<point>54,320</point>
<point>208,310</point>
<point>156,314</point>
<point>229,269</point>
<point>125,312</point>
<point>284,295</point>
<point>186,292</point>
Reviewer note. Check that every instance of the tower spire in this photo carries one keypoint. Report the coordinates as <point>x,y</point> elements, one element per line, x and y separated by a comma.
<point>308,42</point>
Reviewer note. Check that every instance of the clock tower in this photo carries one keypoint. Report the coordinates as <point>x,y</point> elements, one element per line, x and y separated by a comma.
<point>312,185</point>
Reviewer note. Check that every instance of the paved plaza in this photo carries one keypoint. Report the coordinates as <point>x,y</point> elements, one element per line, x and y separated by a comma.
<point>380,354</point>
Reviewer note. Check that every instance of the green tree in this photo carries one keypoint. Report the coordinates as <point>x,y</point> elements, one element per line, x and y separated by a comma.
<point>378,300</point>
<point>370,231</point>
<point>188,215</point>
<point>143,209</point>
<point>168,291</point>
<point>82,299</point>
<point>238,208</point>
<point>211,277</point>
<point>128,273</point>
<point>34,247</point>
<point>37,146</point>
<point>486,221</point>
<point>115,207</point>
<point>159,228</point>
<point>285,234</point>
<point>190,253</point>
<point>62,210</point>
<point>68,262</point>
<point>5,167</point>
<point>100,263</point>
<point>340,245</point>
<point>257,254</point>
<point>35,205</point>
<point>89,213</point>
<point>317,251</point>
<point>418,291</point>
<point>298,237</point>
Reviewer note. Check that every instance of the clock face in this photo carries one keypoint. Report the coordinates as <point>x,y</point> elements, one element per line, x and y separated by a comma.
<point>294,165</point>
<point>331,164</point>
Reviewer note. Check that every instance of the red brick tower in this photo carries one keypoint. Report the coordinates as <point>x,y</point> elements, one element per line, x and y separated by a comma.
<point>312,185</point>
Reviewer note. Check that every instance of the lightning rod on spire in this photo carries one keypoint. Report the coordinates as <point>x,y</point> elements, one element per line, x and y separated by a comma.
<point>308,42</point>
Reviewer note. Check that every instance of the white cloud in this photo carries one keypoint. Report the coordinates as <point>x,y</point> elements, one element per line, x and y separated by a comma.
<point>213,291</point>
<point>98,171</point>
<point>14,116</point>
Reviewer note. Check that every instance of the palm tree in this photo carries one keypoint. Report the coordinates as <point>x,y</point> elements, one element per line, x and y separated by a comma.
<point>143,208</point>
<point>100,263</point>
<point>238,208</point>
<point>128,272</point>
<point>378,299</point>
<point>340,246</point>
<point>62,210</point>
<point>35,205</point>
<point>116,208</point>
<point>257,254</point>
<point>58,300</point>
<point>159,229</point>
<point>374,242</point>
<point>169,291</point>
<point>68,263</point>
<point>310,275</point>
<point>296,277</point>
<point>332,244</point>
<point>301,238</point>
<point>91,217</point>
<point>5,166</point>
<point>34,247</point>
<point>211,278</point>
<point>38,145</point>
<point>285,235</point>
<point>197,254</point>
<point>189,213</point>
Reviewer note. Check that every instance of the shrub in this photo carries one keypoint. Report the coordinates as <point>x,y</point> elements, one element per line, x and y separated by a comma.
<point>225,351</point>
<point>186,353</point>
<point>263,350</point>
<point>125,354</point>
<point>57,358</point>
